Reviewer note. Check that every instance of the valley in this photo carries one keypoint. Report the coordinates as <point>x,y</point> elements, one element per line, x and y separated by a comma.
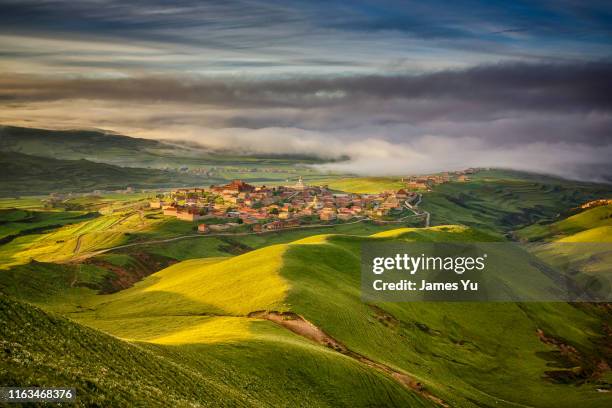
<point>99,287</point>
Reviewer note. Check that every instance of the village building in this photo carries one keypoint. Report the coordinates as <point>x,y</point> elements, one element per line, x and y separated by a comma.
<point>344,216</point>
<point>417,185</point>
<point>170,210</point>
<point>219,227</point>
<point>327,215</point>
<point>157,204</point>
<point>284,215</point>
<point>391,203</point>
<point>279,207</point>
<point>299,185</point>
<point>401,194</point>
<point>188,215</point>
<point>596,203</point>
<point>238,186</point>
<point>381,212</point>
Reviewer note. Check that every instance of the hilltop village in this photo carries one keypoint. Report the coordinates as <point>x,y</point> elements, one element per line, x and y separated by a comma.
<point>273,208</point>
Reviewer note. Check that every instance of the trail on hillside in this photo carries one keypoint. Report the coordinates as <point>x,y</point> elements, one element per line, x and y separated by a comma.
<point>298,325</point>
<point>77,247</point>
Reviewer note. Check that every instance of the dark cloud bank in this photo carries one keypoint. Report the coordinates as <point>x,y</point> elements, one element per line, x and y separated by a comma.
<point>553,118</point>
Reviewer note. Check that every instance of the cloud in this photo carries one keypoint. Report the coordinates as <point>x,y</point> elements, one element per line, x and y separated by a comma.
<point>554,118</point>
<point>516,86</point>
<point>275,37</point>
<point>399,87</point>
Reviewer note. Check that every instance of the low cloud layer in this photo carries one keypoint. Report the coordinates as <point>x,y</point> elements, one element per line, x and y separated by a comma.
<point>553,118</point>
<point>398,86</point>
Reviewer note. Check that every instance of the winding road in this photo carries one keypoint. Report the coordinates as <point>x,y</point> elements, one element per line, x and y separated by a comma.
<point>415,209</point>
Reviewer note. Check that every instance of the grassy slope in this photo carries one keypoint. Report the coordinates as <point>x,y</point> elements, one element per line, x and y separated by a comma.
<point>128,151</point>
<point>502,201</point>
<point>40,349</point>
<point>33,175</point>
<point>579,244</point>
<point>63,243</point>
<point>15,222</point>
<point>465,353</point>
<point>592,225</point>
<point>369,185</point>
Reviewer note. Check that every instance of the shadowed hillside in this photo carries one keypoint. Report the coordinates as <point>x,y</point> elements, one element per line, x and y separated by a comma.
<point>449,353</point>
<point>504,201</point>
<point>31,175</point>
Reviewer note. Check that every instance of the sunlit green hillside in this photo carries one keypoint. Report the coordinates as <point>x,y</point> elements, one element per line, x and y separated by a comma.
<point>591,225</point>
<point>41,349</point>
<point>505,201</point>
<point>580,244</point>
<point>277,319</point>
<point>465,354</point>
<point>364,185</point>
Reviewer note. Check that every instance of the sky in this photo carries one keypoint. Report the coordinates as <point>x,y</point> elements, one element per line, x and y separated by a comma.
<point>400,87</point>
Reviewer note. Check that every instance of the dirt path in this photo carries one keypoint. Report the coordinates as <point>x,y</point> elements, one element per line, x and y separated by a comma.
<point>298,325</point>
<point>77,247</point>
<point>75,277</point>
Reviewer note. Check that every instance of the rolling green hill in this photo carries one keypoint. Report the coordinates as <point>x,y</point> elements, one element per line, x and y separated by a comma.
<point>107,147</point>
<point>278,320</point>
<point>503,201</point>
<point>41,349</point>
<point>32,175</point>
<point>292,314</point>
<point>364,185</point>
<point>591,225</point>
<point>581,244</point>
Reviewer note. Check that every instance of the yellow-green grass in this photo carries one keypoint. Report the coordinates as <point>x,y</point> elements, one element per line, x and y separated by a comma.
<point>112,229</point>
<point>60,288</point>
<point>597,234</point>
<point>105,231</point>
<point>18,222</point>
<point>31,202</point>
<point>270,367</point>
<point>364,185</point>
<point>68,241</point>
<point>593,224</point>
<point>235,286</point>
<point>466,353</point>
<point>506,201</point>
<point>463,351</point>
<point>446,232</point>
<point>580,246</point>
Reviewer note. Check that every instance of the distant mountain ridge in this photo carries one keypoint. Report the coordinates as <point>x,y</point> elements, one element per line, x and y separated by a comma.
<point>34,175</point>
<point>90,145</point>
<point>108,147</point>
